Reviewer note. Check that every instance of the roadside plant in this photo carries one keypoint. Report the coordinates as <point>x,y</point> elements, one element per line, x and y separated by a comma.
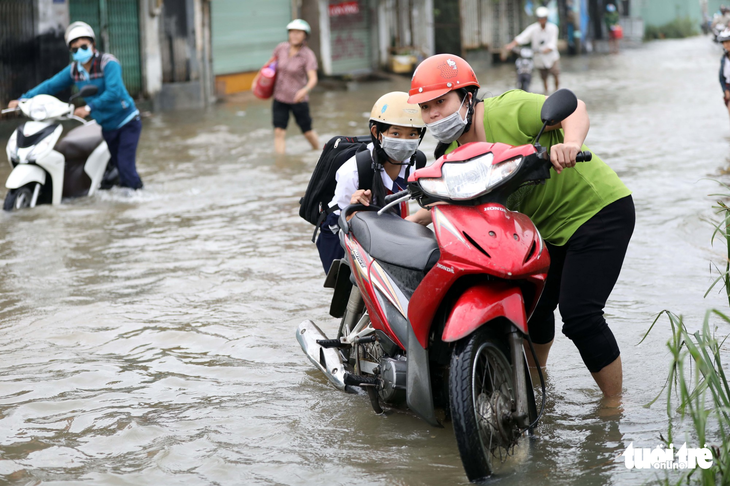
<point>697,386</point>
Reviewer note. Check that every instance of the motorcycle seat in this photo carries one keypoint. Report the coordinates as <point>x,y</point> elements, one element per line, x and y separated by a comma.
<point>391,239</point>
<point>78,144</point>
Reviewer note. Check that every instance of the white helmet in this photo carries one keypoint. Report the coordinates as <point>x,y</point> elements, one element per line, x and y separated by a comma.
<point>78,30</point>
<point>299,24</point>
<point>541,12</point>
<point>724,35</point>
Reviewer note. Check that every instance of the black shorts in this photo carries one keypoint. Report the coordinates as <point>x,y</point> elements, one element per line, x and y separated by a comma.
<point>301,115</point>
<point>581,277</point>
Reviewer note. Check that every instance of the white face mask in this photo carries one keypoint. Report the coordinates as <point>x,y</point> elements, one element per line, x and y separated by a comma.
<point>399,149</point>
<point>450,128</point>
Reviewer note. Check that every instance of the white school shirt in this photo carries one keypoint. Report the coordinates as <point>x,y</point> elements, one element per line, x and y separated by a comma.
<point>539,39</point>
<point>348,181</point>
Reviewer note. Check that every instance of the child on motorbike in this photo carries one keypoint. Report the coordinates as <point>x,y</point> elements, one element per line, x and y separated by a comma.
<point>724,38</point>
<point>585,214</point>
<point>396,130</point>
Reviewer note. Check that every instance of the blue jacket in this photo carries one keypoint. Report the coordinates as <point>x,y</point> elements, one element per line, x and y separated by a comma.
<point>112,106</point>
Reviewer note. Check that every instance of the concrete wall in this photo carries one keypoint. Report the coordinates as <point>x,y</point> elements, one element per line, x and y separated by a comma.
<point>149,27</point>
<point>660,12</point>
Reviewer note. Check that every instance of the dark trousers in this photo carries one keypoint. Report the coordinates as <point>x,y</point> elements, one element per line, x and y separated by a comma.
<point>581,277</point>
<point>122,144</point>
<point>328,243</point>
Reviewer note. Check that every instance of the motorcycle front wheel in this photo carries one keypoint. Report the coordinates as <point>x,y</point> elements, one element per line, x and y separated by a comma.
<point>18,198</point>
<point>481,393</point>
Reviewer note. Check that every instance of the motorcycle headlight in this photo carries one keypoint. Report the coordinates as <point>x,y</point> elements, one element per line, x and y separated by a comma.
<point>38,113</point>
<point>470,179</point>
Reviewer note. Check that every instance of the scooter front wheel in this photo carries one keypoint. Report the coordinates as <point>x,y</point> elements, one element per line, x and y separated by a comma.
<point>481,394</point>
<point>18,198</point>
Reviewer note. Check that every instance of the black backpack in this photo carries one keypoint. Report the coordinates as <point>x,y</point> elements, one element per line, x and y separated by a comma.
<point>314,206</point>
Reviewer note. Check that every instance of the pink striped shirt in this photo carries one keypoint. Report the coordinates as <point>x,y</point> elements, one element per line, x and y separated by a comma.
<point>291,73</point>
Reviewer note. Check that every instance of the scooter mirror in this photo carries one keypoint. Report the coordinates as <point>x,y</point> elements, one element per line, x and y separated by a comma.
<point>88,90</point>
<point>558,106</point>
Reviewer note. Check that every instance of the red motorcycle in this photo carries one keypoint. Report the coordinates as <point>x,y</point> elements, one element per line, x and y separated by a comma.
<point>438,319</point>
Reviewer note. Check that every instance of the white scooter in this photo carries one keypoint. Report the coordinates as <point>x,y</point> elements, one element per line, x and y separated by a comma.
<point>46,170</point>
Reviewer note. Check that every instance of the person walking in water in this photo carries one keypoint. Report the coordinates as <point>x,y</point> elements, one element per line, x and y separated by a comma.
<point>296,76</point>
<point>724,39</point>
<point>543,38</point>
<point>111,107</point>
<point>611,19</point>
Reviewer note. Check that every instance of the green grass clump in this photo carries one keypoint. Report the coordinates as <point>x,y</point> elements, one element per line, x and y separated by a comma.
<point>697,379</point>
<point>676,29</point>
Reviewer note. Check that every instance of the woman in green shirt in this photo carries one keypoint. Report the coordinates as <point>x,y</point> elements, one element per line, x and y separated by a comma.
<point>584,213</point>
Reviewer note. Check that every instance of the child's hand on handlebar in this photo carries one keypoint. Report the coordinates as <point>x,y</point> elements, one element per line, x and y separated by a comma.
<point>361,196</point>
<point>562,155</point>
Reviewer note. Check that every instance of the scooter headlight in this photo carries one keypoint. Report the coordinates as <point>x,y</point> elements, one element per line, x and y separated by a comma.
<point>38,113</point>
<point>470,179</point>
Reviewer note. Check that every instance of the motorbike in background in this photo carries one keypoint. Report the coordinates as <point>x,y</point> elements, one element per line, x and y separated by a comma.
<point>45,170</point>
<point>440,319</point>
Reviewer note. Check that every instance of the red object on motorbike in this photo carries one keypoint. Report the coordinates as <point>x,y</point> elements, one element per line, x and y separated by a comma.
<point>264,86</point>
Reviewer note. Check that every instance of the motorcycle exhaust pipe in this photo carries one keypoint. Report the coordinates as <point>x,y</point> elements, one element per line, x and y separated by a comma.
<point>328,360</point>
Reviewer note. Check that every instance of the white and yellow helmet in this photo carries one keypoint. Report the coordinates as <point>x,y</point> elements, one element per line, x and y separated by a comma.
<point>393,109</point>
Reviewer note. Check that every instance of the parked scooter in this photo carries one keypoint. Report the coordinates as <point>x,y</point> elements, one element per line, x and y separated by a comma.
<point>439,319</point>
<point>46,170</point>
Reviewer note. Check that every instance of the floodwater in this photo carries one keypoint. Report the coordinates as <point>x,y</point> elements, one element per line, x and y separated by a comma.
<point>149,339</point>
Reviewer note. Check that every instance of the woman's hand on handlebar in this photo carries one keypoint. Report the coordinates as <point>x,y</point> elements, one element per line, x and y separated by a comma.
<point>361,196</point>
<point>562,155</point>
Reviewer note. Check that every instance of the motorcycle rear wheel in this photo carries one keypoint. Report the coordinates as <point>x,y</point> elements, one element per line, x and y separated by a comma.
<point>481,391</point>
<point>18,198</point>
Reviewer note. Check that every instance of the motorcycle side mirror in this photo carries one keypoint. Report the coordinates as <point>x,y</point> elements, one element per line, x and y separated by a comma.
<point>557,107</point>
<point>88,90</point>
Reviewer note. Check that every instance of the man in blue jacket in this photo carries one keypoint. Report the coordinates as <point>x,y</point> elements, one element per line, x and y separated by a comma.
<point>111,106</point>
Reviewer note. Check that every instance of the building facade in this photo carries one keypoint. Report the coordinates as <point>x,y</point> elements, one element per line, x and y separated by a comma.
<point>164,48</point>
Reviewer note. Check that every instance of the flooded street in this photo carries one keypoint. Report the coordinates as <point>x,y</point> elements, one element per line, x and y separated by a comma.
<point>149,339</point>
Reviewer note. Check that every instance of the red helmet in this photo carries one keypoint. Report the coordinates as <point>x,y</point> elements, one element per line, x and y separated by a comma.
<point>438,75</point>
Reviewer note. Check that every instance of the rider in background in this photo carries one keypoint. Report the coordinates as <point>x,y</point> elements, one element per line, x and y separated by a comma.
<point>724,38</point>
<point>111,106</point>
<point>584,214</point>
<point>396,130</point>
<point>611,19</point>
<point>543,39</point>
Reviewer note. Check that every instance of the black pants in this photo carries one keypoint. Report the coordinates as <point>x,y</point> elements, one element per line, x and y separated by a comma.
<point>328,243</point>
<point>122,144</point>
<point>582,275</point>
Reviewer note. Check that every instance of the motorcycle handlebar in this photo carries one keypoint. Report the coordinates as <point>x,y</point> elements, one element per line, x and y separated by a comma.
<point>392,197</point>
<point>584,156</point>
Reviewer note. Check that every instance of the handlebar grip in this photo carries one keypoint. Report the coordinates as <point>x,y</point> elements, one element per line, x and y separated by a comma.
<point>392,197</point>
<point>584,156</point>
